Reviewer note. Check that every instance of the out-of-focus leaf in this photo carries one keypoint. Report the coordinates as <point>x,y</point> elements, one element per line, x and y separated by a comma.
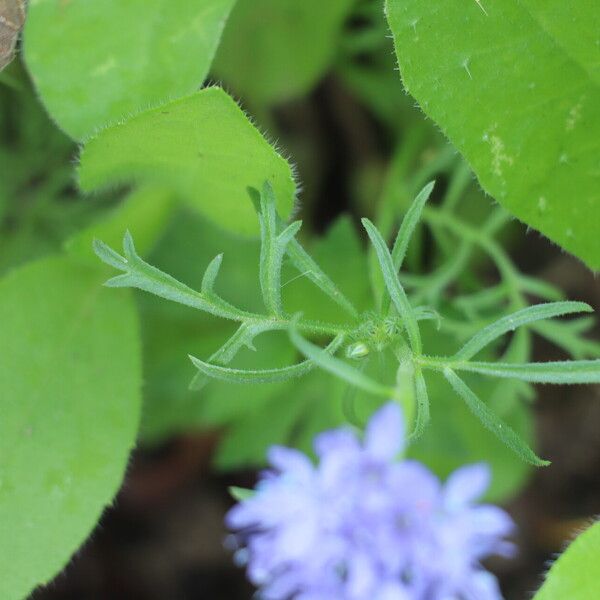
<point>525,316</point>
<point>249,437</point>
<point>145,213</point>
<point>203,147</point>
<point>274,50</point>
<point>489,79</point>
<point>575,574</point>
<point>70,379</point>
<point>39,207</point>
<point>97,63</point>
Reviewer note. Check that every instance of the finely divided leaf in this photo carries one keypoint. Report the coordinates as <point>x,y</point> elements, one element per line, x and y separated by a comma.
<point>394,287</point>
<point>338,367</point>
<point>491,421</point>
<point>409,224</point>
<point>531,314</point>
<point>272,250</point>
<point>261,375</point>
<point>559,372</point>
<point>308,267</point>
<point>139,274</point>
<point>305,264</point>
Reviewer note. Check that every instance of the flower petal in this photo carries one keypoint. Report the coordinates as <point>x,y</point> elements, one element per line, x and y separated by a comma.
<point>466,485</point>
<point>392,591</point>
<point>337,440</point>
<point>290,462</point>
<point>384,437</point>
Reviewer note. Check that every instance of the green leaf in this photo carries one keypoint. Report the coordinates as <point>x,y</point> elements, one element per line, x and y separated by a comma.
<point>244,336</point>
<point>455,436</point>
<point>312,271</point>
<point>203,147</point>
<point>274,50</point>
<point>338,367</point>
<point>70,379</point>
<point>409,224</point>
<point>141,275</point>
<point>528,315</point>
<point>172,331</point>
<point>95,64</point>
<point>144,213</point>
<point>272,250</point>
<point>492,421</point>
<point>559,372</point>
<point>394,287</point>
<point>575,574</point>
<point>489,80</point>
<point>261,375</point>
<point>338,253</point>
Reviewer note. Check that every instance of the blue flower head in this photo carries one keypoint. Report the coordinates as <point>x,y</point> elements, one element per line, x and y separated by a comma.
<point>362,525</point>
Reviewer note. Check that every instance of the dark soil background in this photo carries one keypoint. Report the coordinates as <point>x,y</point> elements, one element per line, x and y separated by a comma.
<point>163,538</point>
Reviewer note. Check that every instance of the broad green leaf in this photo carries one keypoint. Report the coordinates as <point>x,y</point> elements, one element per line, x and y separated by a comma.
<point>70,379</point>
<point>97,63</point>
<point>144,212</point>
<point>515,88</point>
<point>274,50</point>
<point>575,574</point>
<point>203,147</point>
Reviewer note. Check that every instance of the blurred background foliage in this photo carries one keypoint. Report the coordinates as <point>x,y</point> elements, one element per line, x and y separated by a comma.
<point>327,92</point>
<point>361,148</point>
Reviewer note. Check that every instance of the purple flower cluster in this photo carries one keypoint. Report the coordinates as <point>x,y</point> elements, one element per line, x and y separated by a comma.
<point>364,526</point>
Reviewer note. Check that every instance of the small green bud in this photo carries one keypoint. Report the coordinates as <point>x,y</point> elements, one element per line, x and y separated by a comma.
<point>357,350</point>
